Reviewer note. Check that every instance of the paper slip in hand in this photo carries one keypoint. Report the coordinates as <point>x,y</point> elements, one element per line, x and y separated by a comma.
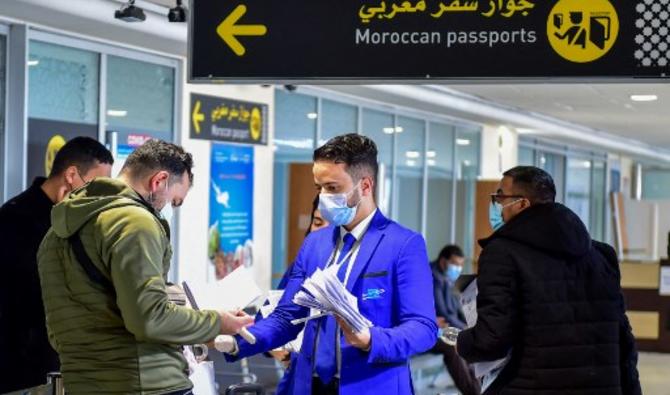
<point>486,371</point>
<point>236,291</point>
<point>325,292</point>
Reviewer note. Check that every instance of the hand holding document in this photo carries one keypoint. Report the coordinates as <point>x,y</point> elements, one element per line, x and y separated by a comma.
<point>324,292</point>
<point>234,292</point>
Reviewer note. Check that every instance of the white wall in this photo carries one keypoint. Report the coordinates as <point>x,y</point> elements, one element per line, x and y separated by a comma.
<point>497,158</point>
<point>194,214</point>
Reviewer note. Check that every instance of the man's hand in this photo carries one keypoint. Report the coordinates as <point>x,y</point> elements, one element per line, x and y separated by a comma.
<point>441,322</point>
<point>360,340</point>
<point>232,323</point>
<point>282,356</point>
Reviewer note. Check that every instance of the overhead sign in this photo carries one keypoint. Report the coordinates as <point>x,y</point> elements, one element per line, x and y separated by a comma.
<point>373,40</point>
<point>216,118</point>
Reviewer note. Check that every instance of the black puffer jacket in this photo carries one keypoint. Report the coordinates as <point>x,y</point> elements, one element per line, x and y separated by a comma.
<point>552,296</point>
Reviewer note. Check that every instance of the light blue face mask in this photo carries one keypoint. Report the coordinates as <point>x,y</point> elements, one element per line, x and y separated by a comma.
<point>496,214</point>
<point>453,272</point>
<point>335,209</point>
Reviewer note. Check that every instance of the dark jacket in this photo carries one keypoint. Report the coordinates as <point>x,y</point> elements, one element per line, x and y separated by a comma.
<point>552,296</point>
<point>25,354</point>
<point>447,304</point>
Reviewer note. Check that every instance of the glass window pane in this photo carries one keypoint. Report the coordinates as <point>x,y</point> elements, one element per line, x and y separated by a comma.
<point>554,164</point>
<point>337,119</point>
<point>526,156</point>
<point>295,126</point>
<point>656,183</point>
<point>579,187</point>
<point>63,83</point>
<point>598,201</point>
<point>409,172</point>
<point>440,158</point>
<point>140,96</point>
<point>379,127</point>
<point>468,142</point>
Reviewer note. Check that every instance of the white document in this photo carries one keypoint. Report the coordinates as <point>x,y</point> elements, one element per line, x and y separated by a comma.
<point>325,292</point>
<point>664,286</point>
<point>274,296</point>
<point>487,372</point>
<point>235,291</point>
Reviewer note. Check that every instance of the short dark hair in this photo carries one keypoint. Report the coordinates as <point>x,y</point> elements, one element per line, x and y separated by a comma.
<point>315,206</point>
<point>449,251</point>
<point>533,183</point>
<point>358,152</point>
<point>82,152</point>
<point>156,155</point>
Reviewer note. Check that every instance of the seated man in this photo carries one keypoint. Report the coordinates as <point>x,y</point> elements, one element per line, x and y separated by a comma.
<point>446,269</point>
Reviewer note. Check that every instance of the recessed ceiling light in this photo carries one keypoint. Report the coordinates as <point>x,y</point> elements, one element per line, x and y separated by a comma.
<point>431,154</point>
<point>466,163</point>
<point>411,162</point>
<point>117,113</point>
<point>312,115</point>
<point>399,129</point>
<point>431,162</point>
<point>412,154</point>
<point>33,62</point>
<point>389,130</point>
<point>643,98</point>
<point>462,141</point>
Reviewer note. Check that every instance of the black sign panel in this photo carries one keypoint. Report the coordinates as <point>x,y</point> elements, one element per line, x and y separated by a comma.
<point>326,40</point>
<point>216,118</point>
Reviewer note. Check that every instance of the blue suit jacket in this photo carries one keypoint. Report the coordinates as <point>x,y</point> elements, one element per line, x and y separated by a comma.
<point>392,280</point>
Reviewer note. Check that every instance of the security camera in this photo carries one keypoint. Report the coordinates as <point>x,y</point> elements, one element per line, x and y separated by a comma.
<point>129,12</point>
<point>178,13</point>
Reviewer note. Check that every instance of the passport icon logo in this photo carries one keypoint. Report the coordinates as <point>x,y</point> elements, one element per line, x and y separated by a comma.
<point>373,293</point>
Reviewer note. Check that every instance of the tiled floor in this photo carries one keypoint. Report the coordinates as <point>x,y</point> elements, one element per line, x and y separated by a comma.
<point>654,375</point>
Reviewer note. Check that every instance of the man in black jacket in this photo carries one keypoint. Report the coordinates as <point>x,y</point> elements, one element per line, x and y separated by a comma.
<point>25,354</point>
<point>551,295</point>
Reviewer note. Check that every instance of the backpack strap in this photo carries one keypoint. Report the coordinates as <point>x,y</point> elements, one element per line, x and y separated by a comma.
<point>92,271</point>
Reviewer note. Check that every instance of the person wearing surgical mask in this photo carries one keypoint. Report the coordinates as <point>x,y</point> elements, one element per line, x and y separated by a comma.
<point>103,267</point>
<point>446,270</point>
<point>25,354</point>
<point>381,263</point>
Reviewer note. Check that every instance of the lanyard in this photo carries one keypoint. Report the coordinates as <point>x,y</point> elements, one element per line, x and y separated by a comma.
<point>333,255</point>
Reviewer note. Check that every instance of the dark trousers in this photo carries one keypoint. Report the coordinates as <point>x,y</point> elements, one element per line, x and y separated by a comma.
<point>319,388</point>
<point>464,378</point>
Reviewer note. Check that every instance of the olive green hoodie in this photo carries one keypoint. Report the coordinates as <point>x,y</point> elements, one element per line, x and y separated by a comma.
<point>126,341</point>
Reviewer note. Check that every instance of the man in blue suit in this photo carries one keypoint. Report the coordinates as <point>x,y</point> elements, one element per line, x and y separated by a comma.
<point>380,262</point>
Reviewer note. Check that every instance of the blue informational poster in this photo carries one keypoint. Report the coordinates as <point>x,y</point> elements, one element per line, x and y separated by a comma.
<point>231,207</point>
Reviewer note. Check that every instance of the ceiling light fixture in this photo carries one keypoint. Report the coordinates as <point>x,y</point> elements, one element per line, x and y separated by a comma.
<point>462,142</point>
<point>312,115</point>
<point>389,130</point>
<point>411,163</point>
<point>431,162</point>
<point>178,13</point>
<point>129,12</point>
<point>399,129</point>
<point>32,63</point>
<point>643,98</point>
<point>431,154</point>
<point>413,154</point>
<point>117,113</point>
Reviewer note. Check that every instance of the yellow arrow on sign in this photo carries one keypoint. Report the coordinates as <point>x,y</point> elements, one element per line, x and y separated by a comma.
<point>228,30</point>
<point>197,116</point>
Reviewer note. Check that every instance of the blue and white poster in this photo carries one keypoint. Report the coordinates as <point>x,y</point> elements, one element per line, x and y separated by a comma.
<point>231,207</point>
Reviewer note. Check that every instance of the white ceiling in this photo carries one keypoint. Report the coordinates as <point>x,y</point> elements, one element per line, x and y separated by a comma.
<point>606,107</point>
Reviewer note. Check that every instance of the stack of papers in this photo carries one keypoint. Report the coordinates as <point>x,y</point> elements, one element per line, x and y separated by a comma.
<point>324,292</point>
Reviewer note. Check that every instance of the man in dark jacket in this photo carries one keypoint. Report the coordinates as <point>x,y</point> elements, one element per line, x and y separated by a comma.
<point>551,295</point>
<point>25,354</point>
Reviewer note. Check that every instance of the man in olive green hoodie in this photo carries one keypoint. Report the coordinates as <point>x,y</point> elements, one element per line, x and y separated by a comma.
<point>111,321</point>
